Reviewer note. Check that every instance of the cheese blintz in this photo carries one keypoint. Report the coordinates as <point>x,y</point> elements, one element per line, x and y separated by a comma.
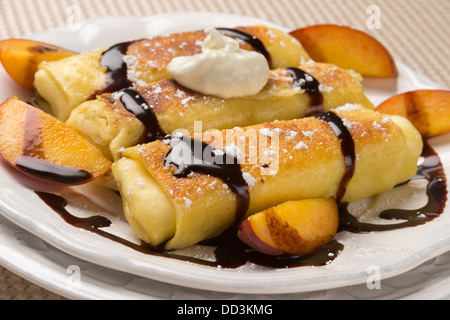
<point>63,85</point>
<point>185,189</point>
<point>144,113</point>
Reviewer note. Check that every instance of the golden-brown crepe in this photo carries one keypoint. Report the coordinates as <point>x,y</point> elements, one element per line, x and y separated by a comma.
<point>67,83</point>
<point>106,122</point>
<point>290,160</point>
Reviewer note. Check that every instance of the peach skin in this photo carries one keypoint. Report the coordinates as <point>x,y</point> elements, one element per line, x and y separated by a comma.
<point>347,48</point>
<point>292,228</point>
<point>21,58</point>
<point>428,110</point>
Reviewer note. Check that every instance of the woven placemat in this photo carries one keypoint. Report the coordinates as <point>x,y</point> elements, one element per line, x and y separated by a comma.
<point>415,31</point>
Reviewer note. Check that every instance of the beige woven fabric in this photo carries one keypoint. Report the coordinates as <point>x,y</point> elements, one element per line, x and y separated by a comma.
<point>12,287</point>
<point>415,31</point>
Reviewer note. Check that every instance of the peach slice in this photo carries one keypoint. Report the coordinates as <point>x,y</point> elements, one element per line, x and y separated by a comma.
<point>428,110</point>
<point>45,148</point>
<point>292,228</point>
<point>21,58</point>
<point>347,48</point>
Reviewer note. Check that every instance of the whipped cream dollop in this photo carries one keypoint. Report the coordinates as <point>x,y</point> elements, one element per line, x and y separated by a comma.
<point>222,69</point>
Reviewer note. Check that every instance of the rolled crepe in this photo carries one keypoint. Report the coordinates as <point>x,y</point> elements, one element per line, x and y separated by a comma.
<point>107,123</point>
<point>63,85</point>
<point>290,160</point>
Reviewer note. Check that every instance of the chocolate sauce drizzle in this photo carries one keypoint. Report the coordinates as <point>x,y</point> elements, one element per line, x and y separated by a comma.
<point>192,155</point>
<point>116,68</point>
<point>347,146</point>
<point>431,169</point>
<point>230,251</point>
<point>256,43</point>
<point>59,204</point>
<point>33,160</point>
<point>137,105</point>
<point>303,80</point>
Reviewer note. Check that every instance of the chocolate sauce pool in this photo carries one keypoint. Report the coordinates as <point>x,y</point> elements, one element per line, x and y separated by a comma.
<point>230,252</point>
<point>432,170</point>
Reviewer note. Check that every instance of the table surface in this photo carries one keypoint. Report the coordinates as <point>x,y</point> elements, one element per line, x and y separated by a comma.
<point>414,31</point>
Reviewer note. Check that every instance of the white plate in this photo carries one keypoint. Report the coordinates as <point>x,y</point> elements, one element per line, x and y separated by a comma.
<point>43,264</point>
<point>393,252</point>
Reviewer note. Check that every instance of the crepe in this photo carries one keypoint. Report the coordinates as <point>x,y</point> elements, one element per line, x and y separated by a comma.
<point>107,123</point>
<point>290,160</point>
<point>63,85</point>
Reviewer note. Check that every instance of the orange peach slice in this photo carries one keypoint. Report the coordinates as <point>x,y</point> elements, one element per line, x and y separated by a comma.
<point>292,228</point>
<point>45,148</point>
<point>347,48</point>
<point>428,110</point>
<point>21,58</point>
